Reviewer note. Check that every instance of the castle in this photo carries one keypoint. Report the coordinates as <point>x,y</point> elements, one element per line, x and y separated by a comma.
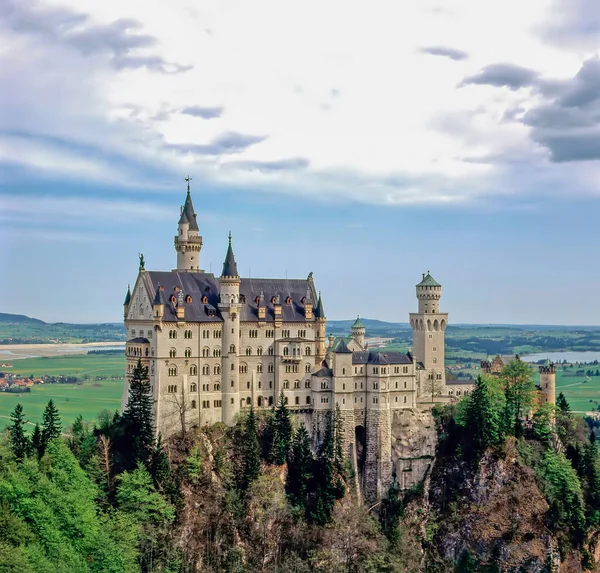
<point>216,346</point>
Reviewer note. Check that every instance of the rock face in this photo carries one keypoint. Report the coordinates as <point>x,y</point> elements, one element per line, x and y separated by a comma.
<point>414,440</point>
<point>494,512</point>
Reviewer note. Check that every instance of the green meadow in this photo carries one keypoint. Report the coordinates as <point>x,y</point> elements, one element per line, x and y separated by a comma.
<point>582,392</point>
<point>86,399</point>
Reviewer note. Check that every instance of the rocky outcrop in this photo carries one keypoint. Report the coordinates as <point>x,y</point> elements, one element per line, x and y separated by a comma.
<point>414,440</point>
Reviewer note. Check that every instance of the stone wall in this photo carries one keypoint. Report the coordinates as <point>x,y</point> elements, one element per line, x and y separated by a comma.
<point>414,440</point>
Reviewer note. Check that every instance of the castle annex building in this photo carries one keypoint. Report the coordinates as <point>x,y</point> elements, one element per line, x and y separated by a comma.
<point>218,345</point>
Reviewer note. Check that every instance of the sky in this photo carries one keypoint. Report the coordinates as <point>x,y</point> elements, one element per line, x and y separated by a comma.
<point>366,142</point>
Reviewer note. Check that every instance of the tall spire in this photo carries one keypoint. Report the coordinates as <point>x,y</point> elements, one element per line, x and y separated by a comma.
<point>188,214</point>
<point>229,266</point>
<point>319,312</point>
<point>127,296</point>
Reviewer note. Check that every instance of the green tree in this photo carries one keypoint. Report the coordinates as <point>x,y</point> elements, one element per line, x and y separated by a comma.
<point>137,420</point>
<point>18,440</point>
<point>392,509</point>
<point>251,463</point>
<point>51,424</point>
<point>592,482</point>
<point>159,465</point>
<point>543,421</point>
<point>519,388</point>
<point>562,404</point>
<point>282,432</point>
<point>483,417</point>
<point>37,441</point>
<point>300,468</point>
<point>324,491</point>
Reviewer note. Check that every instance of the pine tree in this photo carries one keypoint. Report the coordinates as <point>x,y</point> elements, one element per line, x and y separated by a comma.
<point>323,487</point>
<point>300,468</point>
<point>282,432</point>
<point>391,511</point>
<point>51,424</point>
<point>37,441</point>
<point>160,469</point>
<point>251,465</point>
<point>562,404</point>
<point>483,421</point>
<point>519,390</point>
<point>18,440</point>
<point>338,441</point>
<point>137,420</point>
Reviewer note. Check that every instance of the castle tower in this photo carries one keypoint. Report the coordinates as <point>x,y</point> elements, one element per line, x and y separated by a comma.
<point>319,314</point>
<point>126,303</point>
<point>358,332</point>
<point>229,306</point>
<point>378,422</point>
<point>548,383</point>
<point>187,241</point>
<point>428,326</point>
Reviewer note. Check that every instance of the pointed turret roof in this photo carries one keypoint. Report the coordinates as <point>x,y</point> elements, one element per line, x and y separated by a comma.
<point>229,266</point>
<point>428,280</point>
<point>127,296</point>
<point>187,212</point>
<point>358,323</point>
<point>319,312</point>
<point>342,348</point>
<point>159,297</point>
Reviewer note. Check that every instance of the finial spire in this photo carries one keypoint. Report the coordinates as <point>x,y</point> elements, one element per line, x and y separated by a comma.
<point>188,179</point>
<point>229,237</point>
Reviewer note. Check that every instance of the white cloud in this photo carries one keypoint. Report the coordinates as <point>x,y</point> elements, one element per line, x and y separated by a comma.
<point>335,99</point>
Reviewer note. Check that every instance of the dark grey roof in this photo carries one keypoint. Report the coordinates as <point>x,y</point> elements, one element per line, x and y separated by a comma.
<point>460,382</point>
<point>229,266</point>
<point>127,296</point>
<point>342,348</point>
<point>159,296</point>
<point>196,284</point>
<point>324,372</point>
<point>139,340</point>
<point>370,357</point>
<point>319,312</point>
<point>187,213</point>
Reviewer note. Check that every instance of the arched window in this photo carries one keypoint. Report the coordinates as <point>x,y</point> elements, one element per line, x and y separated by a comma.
<point>307,351</point>
<point>205,369</point>
<point>188,353</point>
<point>260,401</point>
<point>286,400</point>
<point>173,371</point>
<point>270,368</point>
<point>172,353</point>
<point>232,348</point>
<point>248,401</point>
<point>193,370</point>
<point>193,404</point>
<point>297,384</point>
<point>270,400</point>
<point>248,385</point>
<point>248,351</point>
<point>206,352</point>
<point>286,351</point>
<point>297,400</point>
<point>259,351</point>
<point>307,368</point>
<point>193,387</point>
<point>308,399</point>
<point>217,352</point>
<point>286,384</point>
<point>217,370</point>
<point>307,384</point>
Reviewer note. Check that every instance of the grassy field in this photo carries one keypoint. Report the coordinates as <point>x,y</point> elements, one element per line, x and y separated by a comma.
<point>579,391</point>
<point>92,365</point>
<point>71,400</point>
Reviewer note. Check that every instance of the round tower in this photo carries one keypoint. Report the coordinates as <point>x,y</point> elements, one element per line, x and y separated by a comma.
<point>428,326</point>
<point>229,306</point>
<point>548,383</point>
<point>358,332</point>
<point>319,314</point>
<point>188,242</point>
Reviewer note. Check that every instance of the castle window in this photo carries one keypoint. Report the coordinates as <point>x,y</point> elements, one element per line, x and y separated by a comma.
<point>188,299</point>
<point>172,334</point>
<point>396,398</point>
<point>438,376</point>
<point>232,400</point>
<point>248,351</point>
<point>307,368</point>
<point>307,351</point>
<point>271,384</point>
<point>193,387</point>
<point>172,353</point>
<point>297,401</point>
<point>188,353</point>
<point>374,385</point>
<point>302,334</point>
<point>205,352</point>
<point>308,399</point>
<point>172,388</point>
<point>270,351</point>
<point>343,386</point>
<point>343,371</point>
<point>374,400</point>
<point>285,334</point>
<point>259,351</point>
<point>269,333</point>
<point>405,399</point>
<point>205,369</point>
<point>434,348</point>
<point>270,368</point>
<point>217,334</point>
<point>286,400</point>
<point>193,370</point>
<point>243,368</point>
<point>307,384</point>
<point>286,384</point>
<point>232,385</point>
<point>133,332</point>
<point>242,298</point>
<point>297,384</point>
<point>193,404</point>
<point>173,299</point>
<point>172,371</point>
<point>435,360</point>
<point>270,400</point>
<point>204,299</point>
<point>217,370</point>
<point>259,368</point>
<point>397,384</point>
<point>217,352</point>
<point>217,387</point>
<point>405,369</point>
<point>288,300</point>
<point>232,366</point>
<point>273,300</point>
<point>248,385</point>
<point>232,348</point>
<point>286,351</point>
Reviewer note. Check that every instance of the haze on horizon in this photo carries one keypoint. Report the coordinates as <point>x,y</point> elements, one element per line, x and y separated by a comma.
<point>367,144</point>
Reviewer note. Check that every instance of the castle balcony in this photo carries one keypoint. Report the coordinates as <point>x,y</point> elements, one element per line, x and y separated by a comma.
<point>292,358</point>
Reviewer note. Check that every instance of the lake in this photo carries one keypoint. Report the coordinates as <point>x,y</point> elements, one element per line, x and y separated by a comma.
<point>569,356</point>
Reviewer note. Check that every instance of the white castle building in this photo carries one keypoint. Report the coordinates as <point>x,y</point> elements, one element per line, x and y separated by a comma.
<point>216,346</point>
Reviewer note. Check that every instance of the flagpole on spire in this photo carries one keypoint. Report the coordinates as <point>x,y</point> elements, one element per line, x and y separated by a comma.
<point>188,179</point>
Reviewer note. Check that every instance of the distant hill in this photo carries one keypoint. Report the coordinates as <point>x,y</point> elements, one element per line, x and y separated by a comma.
<point>19,319</point>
